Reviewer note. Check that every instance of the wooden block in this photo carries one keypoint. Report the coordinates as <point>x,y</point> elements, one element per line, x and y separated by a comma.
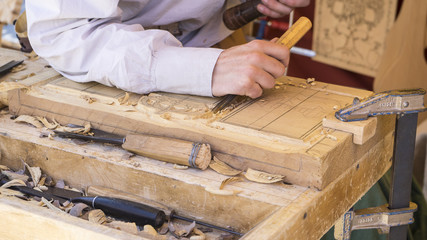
<point>362,130</point>
<point>280,133</point>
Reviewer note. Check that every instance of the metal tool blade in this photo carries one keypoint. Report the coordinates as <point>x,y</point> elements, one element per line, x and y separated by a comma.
<point>112,140</point>
<point>8,66</point>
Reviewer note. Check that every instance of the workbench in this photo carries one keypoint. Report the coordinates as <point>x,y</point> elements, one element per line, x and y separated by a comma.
<point>296,209</point>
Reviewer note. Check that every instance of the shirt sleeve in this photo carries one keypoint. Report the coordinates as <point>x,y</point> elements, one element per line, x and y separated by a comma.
<point>91,44</point>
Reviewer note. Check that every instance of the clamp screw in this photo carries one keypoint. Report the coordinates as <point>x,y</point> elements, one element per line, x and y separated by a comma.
<point>405,104</point>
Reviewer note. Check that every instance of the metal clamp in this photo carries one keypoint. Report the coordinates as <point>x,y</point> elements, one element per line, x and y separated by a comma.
<point>381,218</point>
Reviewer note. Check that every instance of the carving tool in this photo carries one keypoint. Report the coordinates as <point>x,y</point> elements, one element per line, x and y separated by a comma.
<point>288,39</point>
<point>171,150</point>
<point>393,218</point>
<point>8,66</point>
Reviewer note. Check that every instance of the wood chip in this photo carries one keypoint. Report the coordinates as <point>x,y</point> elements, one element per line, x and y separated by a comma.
<point>124,226</point>
<point>199,235</point>
<point>10,192</point>
<point>123,100</point>
<point>3,168</point>
<point>97,216</point>
<point>30,120</point>
<point>35,173</point>
<point>13,175</point>
<point>181,230</point>
<point>180,167</point>
<point>262,177</point>
<point>221,191</point>
<point>50,205</point>
<point>230,180</point>
<point>47,124</point>
<point>150,230</point>
<point>223,168</point>
<point>77,209</point>
<point>14,182</point>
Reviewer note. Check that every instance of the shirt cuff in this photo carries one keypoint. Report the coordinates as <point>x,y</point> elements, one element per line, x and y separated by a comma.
<point>185,70</point>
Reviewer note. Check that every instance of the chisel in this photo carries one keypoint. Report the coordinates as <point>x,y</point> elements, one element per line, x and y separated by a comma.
<point>240,15</point>
<point>288,39</point>
<point>171,150</point>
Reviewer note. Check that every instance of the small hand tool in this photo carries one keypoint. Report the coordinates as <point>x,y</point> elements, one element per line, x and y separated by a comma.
<point>240,15</point>
<point>139,213</point>
<point>52,193</point>
<point>393,218</point>
<point>171,150</point>
<point>288,39</point>
<point>8,66</point>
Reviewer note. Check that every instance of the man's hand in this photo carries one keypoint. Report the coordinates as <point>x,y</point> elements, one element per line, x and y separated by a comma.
<point>249,68</point>
<point>280,8</point>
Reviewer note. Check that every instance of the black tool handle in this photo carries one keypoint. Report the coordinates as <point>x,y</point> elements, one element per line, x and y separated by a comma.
<point>240,15</point>
<point>126,210</point>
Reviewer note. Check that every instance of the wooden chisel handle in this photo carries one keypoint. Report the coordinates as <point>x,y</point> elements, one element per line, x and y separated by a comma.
<point>170,150</point>
<point>295,32</point>
<point>240,15</point>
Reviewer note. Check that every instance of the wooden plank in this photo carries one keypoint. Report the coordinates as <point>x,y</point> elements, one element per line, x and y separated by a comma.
<point>22,220</point>
<point>272,211</point>
<point>274,133</point>
<point>351,34</point>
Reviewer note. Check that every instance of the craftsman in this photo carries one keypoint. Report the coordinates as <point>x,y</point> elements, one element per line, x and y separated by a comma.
<point>123,44</point>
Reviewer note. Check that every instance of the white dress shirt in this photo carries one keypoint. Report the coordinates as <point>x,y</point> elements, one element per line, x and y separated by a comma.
<point>112,41</point>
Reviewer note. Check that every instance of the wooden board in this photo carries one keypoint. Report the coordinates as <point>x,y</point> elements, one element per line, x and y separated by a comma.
<point>280,133</point>
<point>351,34</point>
<point>261,211</point>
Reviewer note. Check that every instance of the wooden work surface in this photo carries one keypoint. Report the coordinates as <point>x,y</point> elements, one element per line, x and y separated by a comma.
<point>262,211</point>
<point>281,133</point>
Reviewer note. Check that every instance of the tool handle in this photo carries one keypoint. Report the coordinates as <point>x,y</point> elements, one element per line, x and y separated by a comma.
<point>295,32</point>
<point>240,15</point>
<point>170,150</point>
<point>126,210</point>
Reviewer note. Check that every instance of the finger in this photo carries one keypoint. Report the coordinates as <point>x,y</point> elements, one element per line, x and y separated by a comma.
<point>272,49</point>
<point>273,8</point>
<point>255,91</point>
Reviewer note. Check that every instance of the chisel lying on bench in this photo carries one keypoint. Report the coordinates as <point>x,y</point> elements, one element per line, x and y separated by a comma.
<point>171,150</point>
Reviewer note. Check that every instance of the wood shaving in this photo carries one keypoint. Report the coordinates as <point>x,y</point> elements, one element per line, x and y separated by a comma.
<point>332,137</point>
<point>181,230</point>
<point>97,216</point>
<point>223,168</point>
<point>230,180</point>
<point>262,177</point>
<point>50,205</point>
<point>35,173</point>
<point>77,209</point>
<point>150,230</point>
<point>180,167</point>
<point>47,124</point>
<point>310,80</point>
<point>13,175</point>
<point>221,191</point>
<point>124,99</point>
<point>199,235</point>
<point>30,120</point>
<point>4,168</point>
<point>32,56</point>
<point>129,227</point>
<point>13,183</point>
<point>89,99</point>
